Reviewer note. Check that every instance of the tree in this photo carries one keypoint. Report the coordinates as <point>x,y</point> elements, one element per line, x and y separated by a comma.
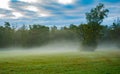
<point>38,35</point>
<point>115,32</point>
<point>6,35</point>
<point>91,31</point>
<point>1,36</point>
<point>96,15</point>
<point>22,36</point>
<point>74,32</point>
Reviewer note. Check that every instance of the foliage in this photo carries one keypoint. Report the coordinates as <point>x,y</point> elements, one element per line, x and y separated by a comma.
<point>91,31</point>
<point>38,35</point>
<point>115,32</point>
<point>6,35</point>
<point>97,14</point>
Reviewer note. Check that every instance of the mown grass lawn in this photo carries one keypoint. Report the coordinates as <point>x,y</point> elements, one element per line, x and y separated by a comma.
<point>61,63</point>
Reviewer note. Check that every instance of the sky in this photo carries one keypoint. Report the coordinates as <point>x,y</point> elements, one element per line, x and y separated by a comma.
<point>53,12</point>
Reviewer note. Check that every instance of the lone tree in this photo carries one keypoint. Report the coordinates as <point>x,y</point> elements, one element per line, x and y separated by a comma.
<point>91,31</point>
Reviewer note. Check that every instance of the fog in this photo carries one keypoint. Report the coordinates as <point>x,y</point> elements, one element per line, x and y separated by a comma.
<point>51,48</point>
<point>107,47</point>
<point>55,48</point>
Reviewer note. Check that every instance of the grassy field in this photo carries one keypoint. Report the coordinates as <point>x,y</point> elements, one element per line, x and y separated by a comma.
<point>61,63</point>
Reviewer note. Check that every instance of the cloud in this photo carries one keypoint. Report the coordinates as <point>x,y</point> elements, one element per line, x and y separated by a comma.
<point>2,15</point>
<point>17,15</point>
<point>39,11</point>
<point>4,4</point>
<point>32,8</point>
<point>52,12</point>
<point>29,1</point>
<point>28,10</point>
<point>66,1</point>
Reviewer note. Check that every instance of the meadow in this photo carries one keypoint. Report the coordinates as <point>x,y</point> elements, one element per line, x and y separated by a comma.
<point>98,62</point>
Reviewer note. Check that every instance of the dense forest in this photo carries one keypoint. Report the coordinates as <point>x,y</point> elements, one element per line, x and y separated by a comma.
<point>89,34</point>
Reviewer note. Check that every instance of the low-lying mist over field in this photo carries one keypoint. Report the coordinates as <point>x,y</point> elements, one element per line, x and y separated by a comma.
<point>56,47</point>
<point>52,47</point>
<point>107,47</point>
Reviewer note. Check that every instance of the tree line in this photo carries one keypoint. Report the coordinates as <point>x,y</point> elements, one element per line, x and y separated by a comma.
<point>89,34</point>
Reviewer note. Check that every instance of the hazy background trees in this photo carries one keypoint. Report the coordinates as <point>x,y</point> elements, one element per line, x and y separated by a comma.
<point>115,32</point>
<point>38,35</point>
<point>6,35</point>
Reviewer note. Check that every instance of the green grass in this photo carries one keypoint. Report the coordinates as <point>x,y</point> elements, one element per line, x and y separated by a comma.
<point>61,63</point>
